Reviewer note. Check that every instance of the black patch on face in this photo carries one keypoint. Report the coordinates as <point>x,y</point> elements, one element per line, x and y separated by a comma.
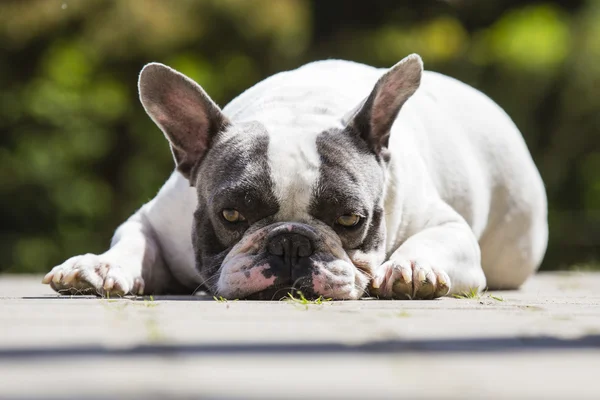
<point>234,175</point>
<point>208,263</point>
<point>375,237</point>
<point>351,181</point>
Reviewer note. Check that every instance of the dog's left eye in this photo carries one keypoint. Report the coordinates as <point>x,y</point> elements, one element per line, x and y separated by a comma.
<point>232,215</point>
<point>348,220</point>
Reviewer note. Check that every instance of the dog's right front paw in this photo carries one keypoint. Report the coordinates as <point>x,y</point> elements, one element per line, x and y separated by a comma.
<point>409,279</point>
<point>93,274</point>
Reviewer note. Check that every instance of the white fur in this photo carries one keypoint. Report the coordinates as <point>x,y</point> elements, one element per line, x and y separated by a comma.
<point>294,164</point>
<point>461,175</point>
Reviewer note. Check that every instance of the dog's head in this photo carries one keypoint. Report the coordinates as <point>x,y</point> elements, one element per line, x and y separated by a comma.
<point>280,208</point>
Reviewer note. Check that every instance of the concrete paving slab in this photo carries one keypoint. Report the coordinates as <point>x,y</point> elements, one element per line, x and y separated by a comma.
<point>540,342</point>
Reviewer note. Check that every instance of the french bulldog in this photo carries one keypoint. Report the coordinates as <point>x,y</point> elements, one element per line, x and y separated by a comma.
<point>336,179</point>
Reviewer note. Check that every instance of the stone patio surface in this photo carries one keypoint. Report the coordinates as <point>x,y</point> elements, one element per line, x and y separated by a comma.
<point>542,342</point>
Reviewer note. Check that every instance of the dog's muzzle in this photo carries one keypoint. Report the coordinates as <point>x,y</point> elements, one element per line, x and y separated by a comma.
<point>291,246</point>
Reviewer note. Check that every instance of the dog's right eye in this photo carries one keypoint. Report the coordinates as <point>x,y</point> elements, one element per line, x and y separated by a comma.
<point>348,220</point>
<point>232,215</point>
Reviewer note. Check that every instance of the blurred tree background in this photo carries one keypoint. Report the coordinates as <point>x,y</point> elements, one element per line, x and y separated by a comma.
<point>78,154</point>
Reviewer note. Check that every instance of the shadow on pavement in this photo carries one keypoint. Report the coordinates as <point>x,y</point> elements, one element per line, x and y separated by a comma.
<point>463,345</point>
<point>201,297</point>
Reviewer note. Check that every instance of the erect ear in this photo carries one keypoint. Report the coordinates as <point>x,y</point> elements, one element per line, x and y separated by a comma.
<point>374,118</point>
<point>183,111</point>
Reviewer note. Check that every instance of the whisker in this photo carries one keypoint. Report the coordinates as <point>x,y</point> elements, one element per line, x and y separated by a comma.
<point>288,289</point>
<point>208,281</point>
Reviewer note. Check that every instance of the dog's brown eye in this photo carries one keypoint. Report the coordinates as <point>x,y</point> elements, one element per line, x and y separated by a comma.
<point>348,220</point>
<point>232,215</point>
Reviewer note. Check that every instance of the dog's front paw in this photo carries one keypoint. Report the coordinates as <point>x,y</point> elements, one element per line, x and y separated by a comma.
<point>92,274</point>
<point>409,279</point>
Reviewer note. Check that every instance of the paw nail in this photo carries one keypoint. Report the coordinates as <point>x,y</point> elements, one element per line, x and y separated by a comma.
<point>421,276</point>
<point>138,287</point>
<point>406,275</point>
<point>109,283</point>
<point>376,283</point>
<point>57,277</point>
<point>71,277</point>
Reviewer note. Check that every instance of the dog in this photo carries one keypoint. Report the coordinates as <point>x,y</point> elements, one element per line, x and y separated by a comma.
<point>336,179</point>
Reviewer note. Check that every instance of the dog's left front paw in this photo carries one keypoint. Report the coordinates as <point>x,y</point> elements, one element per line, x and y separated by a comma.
<point>409,280</point>
<point>93,274</point>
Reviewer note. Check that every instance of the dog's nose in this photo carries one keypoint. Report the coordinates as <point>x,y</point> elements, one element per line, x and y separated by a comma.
<point>290,246</point>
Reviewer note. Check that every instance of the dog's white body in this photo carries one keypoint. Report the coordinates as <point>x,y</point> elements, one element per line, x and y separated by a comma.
<point>456,157</point>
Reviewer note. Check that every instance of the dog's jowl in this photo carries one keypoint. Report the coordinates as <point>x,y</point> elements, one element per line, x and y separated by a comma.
<point>335,179</point>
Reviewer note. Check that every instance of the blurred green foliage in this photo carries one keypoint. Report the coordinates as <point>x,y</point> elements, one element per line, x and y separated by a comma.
<point>78,154</point>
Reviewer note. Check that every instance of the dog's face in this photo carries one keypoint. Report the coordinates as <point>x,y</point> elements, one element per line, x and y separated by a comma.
<point>281,211</point>
<point>303,214</point>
